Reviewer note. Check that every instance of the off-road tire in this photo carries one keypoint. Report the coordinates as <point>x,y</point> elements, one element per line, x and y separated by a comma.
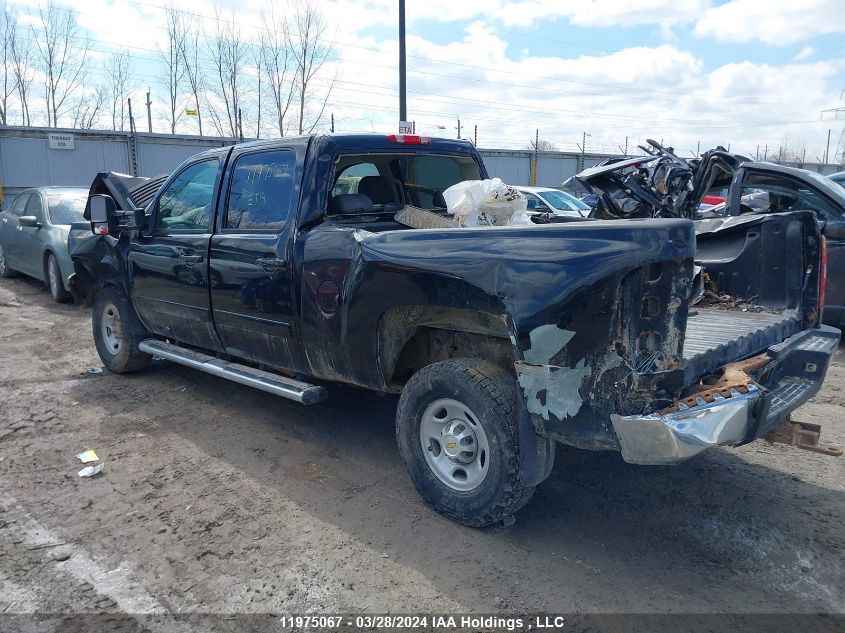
<point>128,357</point>
<point>490,392</point>
<point>57,289</point>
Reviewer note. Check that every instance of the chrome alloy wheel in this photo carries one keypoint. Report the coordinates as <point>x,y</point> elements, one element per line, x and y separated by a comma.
<point>454,444</point>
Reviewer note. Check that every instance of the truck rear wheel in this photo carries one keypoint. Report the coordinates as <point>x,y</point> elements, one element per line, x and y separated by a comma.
<point>457,431</point>
<point>117,332</point>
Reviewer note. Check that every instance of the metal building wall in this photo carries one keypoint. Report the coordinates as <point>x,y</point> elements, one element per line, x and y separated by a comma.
<point>26,159</point>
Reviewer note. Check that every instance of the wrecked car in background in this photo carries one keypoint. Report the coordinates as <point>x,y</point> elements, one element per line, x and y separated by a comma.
<point>251,264</point>
<point>731,235</point>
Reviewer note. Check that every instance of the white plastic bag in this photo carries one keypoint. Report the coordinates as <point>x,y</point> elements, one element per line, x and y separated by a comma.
<point>486,203</point>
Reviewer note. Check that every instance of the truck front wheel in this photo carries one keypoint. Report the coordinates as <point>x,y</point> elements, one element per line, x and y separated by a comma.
<point>456,426</point>
<point>117,332</point>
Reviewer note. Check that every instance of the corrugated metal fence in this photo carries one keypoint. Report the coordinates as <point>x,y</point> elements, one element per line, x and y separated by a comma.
<point>28,158</point>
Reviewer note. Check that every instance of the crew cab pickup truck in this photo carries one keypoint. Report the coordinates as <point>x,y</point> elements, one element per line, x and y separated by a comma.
<point>285,265</point>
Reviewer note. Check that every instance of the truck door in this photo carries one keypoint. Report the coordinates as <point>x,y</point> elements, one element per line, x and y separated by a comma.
<point>251,277</point>
<point>169,267</point>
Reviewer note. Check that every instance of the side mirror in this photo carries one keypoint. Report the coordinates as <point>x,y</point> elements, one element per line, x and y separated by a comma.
<point>102,213</point>
<point>831,230</point>
<point>30,221</point>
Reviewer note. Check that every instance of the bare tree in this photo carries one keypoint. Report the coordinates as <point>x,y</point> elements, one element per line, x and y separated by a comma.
<point>277,64</point>
<point>20,50</point>
<point>190,52</point>
<point>89,108</point>
<point>542,145</point>
<point>310,52</point>
<point>174,65</point>
<point>8,33</point>
<point>60,61</point>
<point>228,53</point>
<point>121,71</point>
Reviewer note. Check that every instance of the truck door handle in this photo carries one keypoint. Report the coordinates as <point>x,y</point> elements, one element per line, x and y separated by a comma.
<point>271,264</point>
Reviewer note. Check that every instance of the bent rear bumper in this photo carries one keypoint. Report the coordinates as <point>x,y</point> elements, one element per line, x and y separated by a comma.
<point>797,370</point>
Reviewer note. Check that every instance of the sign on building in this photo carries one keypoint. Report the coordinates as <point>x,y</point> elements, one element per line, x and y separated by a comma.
<point>406,127</point>
<point>60,141</point>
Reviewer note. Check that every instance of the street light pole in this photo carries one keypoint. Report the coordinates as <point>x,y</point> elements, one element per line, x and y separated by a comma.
<point>403,106</point>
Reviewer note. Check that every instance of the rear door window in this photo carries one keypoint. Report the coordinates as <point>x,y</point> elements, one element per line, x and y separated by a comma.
<point>261,191</point>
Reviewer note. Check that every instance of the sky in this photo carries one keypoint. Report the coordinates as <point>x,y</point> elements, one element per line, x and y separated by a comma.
<point>752,74</point>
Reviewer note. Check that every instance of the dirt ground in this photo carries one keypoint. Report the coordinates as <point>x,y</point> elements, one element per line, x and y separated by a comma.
<point>217,498</point>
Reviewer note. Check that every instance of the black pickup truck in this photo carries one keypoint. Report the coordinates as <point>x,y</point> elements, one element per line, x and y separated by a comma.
<point>285,264</point>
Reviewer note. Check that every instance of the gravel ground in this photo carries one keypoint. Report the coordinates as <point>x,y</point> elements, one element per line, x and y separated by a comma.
<point>216,498</point>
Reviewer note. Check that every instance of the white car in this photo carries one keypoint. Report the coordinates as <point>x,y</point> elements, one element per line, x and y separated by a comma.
<point>547,200</point>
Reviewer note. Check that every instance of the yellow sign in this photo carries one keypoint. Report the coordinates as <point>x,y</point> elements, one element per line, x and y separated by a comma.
<point>191,111</point>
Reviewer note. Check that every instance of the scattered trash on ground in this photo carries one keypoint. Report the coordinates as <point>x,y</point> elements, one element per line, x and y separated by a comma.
<point>87,456</point>
<point>90,471</point>
<point>95,370</point>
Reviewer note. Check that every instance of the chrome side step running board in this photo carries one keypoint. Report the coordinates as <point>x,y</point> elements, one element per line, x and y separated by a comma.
<point>266,381</point>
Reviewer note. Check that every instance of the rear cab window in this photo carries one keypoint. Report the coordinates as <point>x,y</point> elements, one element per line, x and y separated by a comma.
<point>394,180</point>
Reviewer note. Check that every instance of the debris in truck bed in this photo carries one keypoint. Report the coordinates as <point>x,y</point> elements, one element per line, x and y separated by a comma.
<point>486,203</point>
<point>728,302</point>
<point>712,298</point>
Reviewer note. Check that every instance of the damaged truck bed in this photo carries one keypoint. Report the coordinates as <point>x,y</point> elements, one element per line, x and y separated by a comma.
<point>286,264</point>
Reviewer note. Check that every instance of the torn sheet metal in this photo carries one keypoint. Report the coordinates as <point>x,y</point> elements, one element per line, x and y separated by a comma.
<point>552,390</point>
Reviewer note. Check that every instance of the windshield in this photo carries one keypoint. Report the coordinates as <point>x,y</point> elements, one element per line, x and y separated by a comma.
<point>562,201</point>
<point>66,208</point>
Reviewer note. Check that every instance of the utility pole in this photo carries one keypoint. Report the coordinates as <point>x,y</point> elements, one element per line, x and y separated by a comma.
<point>765,151</point>
<point>333,123</point>
<point>757,153</point>
<point>403,106</point>
<point>475,136</point>
<point>131,118</point>
<point>459,128</point>
<point>698,148</point>
<point>583,144</point>
<point>536,157</point>
<point>149,113</point>
<point>827,151</point>
<point>626,146</point>
<point>240,125</point>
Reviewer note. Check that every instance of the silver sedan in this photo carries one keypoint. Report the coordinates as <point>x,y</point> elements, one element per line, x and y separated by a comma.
<point>33,235</point>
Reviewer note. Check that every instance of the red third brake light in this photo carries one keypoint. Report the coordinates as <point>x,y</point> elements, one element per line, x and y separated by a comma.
<point>409,139</point>
<point>823,278</point>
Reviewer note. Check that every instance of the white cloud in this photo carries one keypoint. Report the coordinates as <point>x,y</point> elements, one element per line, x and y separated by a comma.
<point>604,13</point>
<point>777,22</point>
<point>804,53</point>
